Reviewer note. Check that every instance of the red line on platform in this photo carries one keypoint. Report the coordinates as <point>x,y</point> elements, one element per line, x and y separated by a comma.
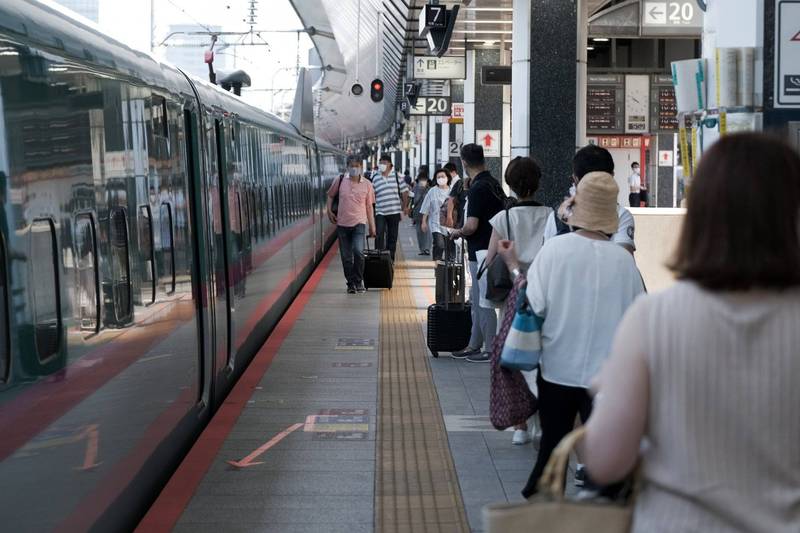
<point>172,501</point>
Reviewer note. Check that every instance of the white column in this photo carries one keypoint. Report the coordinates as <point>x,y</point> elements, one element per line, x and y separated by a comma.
<point>582,76</point>
<point>445,144</point>
<point>521,79</point>
<point>505,132</point>
<point>431,145</point>
<point>423,142</point>
<point>469,99</point>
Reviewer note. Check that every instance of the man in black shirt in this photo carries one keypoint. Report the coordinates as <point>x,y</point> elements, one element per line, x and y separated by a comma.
<point>485,198</point>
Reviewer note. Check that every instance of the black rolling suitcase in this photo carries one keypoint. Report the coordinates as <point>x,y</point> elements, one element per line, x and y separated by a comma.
<point>378,269</point>
<point>452,280</point>
<point>450,322</point>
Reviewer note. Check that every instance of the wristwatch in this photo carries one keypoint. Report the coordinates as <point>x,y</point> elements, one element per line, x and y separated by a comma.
<point>515,272</point>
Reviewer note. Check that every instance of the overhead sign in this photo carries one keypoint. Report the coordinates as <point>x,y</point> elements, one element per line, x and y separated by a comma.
<point>440,68</point>
<point>432,16</point>
<point>787,53</point>
<point>671,18</point>
<point>432,106</point>
<point>490,141</point>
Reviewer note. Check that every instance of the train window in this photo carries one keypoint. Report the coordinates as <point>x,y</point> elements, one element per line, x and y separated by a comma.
<point>159,114</point>
<point>5,346</point>
<point>254,214</point>
<point>88,282</point>
<point>148,255</point>
<point>46,295</point>
<point>120,266</point>
<point>167,248</point>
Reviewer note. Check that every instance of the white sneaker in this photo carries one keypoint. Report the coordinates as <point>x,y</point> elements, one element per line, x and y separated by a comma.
<point>521,436</point>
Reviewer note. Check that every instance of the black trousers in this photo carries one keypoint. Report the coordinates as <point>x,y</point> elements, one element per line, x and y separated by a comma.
<point>442,243</point>
<point>387,227</point>
<point>634,198</point>
<point>558,406</point>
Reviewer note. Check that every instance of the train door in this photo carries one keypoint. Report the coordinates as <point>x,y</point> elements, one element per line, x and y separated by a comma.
<point>199,257</point>
<point>315,186</point>
<point>218,199</point>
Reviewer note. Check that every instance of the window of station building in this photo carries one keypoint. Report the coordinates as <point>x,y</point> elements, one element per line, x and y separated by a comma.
<point>167,248</point>
<point>120,265</point>
<point>88,281</point>
<point>43,260</point>
<point>148,255</point>
<point>5,342</point>
<point>159,116</point>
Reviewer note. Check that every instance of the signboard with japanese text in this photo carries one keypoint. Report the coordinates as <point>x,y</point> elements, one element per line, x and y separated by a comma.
<point>440,68</point>
<point>787,53</point>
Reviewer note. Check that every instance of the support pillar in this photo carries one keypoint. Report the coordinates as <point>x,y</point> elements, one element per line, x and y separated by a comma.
<point>553,88</point>
<point>483,104</point>
<point>521,79</point>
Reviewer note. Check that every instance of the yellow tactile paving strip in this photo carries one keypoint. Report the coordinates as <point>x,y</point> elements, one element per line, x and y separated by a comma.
<point>416,485</point>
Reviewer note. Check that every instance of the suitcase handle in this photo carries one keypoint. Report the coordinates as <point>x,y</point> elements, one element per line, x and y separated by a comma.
<point>447,274</point>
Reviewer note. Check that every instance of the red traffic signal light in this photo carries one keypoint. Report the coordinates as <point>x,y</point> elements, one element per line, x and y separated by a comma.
<point>376,90</point>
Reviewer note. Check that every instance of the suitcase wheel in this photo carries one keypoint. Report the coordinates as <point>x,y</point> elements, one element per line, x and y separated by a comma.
<point>435,354</point>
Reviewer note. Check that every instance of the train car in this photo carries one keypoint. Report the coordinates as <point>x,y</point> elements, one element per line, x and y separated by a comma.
<point>153,229</point>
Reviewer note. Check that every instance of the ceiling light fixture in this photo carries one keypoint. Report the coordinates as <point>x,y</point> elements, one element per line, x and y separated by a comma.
<point>590,48</point>
<point>493,32</point>
<point>600,39</point>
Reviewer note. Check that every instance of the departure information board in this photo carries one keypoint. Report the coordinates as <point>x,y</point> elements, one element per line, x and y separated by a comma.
<point>605,104</point>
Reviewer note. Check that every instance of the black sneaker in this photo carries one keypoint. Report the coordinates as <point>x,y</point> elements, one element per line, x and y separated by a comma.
<point>423,252</point>
<point>580,476</point>
<point>360,289</point>
<point>351,289</point>
<point>466,352</point>
<point>482,357</point>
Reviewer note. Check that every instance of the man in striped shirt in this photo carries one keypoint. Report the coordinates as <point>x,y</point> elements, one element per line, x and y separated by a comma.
<point>391,199</point>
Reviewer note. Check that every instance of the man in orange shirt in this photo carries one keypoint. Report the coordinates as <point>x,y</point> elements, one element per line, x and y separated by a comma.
<point>353,215</point>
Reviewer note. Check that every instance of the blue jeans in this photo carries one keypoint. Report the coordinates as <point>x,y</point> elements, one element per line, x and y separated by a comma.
<point>351,248</point>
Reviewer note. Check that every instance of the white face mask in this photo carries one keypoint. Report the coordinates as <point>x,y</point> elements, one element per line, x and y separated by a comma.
<point>441,181</point>
<point>354,171</point>
<point>383,167</point>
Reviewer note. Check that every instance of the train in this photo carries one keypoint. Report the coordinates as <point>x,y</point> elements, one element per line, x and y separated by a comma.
<point>153,230</point>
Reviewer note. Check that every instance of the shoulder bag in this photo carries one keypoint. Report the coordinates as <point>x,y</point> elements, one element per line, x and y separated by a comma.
<point>550,512</point>
<point>498,278</point>
<point>335,203</point>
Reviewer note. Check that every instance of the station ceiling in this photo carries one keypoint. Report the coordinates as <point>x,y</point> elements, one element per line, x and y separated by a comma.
<point>378,47</point>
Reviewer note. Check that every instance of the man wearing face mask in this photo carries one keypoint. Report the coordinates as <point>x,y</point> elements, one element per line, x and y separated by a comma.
<point>588,159</point>
<point>353,216</point>
<point>391,199</point>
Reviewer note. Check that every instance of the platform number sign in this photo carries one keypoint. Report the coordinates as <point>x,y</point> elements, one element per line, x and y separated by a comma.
<point>663,17</point>
<point>434,16</point>
<point>432,106</point>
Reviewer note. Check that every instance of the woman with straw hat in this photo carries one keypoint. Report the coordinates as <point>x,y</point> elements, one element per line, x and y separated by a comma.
<point>581,284</point>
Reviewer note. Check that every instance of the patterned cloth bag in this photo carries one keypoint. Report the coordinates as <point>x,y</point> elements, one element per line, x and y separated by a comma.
<point>523,347</point>
<point>511,402</point>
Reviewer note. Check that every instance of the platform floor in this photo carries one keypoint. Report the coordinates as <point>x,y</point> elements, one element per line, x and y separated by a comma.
<point>343,422</point>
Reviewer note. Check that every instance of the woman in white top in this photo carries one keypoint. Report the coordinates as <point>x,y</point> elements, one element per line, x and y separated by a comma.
<point>581,284</point>
<point>706,372</point>
<point>524,224</point>
<point>430,209</point>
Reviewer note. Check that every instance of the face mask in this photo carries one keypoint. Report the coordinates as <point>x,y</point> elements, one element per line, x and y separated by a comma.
<point>354,171</point>
<point>573,190</point>
<point>441,181</point>
<point>383,167</point>
<point>635,170</point>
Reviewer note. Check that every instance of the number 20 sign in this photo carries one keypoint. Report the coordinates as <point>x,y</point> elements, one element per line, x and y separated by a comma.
<point>432,106</point>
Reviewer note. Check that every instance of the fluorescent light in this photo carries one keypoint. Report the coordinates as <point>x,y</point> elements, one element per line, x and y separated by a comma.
<point>494,32</point>
<point>489,43</point>
<point>506,9</point>
<point>600,39</point>
<point>467,21</point>
<point>590,48</point>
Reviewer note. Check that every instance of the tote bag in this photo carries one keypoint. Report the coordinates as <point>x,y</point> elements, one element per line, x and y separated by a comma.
<point>511,401</point>
<point>549,512</point>
<point>523,347</point>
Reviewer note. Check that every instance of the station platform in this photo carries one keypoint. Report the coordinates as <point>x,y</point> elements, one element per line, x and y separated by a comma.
<point>343,422</point>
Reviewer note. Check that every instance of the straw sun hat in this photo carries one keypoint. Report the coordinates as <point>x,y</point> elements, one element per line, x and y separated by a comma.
<point>594,206</point>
